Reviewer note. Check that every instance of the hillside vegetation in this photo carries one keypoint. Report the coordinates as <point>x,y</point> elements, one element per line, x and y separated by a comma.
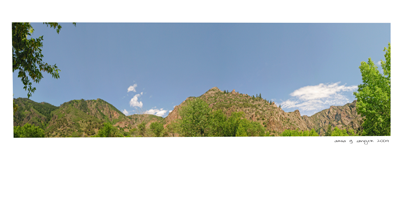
<point>79,118</point>
<point>269,115</point>
<point>215,113</point>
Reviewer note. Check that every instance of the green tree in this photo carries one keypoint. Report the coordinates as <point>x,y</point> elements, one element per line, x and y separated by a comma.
<point>28,57</point>
<point>108,131</point>
<point>313,133</point>
<point>232,124</point>
<point>28,130</point>
<point>373,97</point>
<point>195,116</point>
<point>157,128</point>
<point>142,128</point>
<point>286,133</point>
<point>217,123</point>
<point>329,131</point>
<point>351,132</point>
<point>337,132</point>
<point>306,133</point>
<point>253,128</point>
<point>241,132</point>
<point>344,132</point>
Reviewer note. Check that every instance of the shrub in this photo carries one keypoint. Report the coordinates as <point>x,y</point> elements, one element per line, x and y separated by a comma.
<point>28,130</point>
<point>108,131</point>
<point>157,128</point>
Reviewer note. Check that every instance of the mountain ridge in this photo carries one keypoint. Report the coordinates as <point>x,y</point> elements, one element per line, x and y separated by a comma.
<point>86,117</point>
<point>272,117</point>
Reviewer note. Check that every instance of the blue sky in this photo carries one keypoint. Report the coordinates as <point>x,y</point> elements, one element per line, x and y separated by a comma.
<point>151,67</point>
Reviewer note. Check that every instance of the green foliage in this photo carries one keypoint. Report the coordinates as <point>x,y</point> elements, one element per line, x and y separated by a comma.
<point>195,117</point>
<point>338,132</point>
<point>28,130</point>
<point>373,97</point>
<point>329,130</point>
<point>351,132</point>
<point>157,128</point>
<point>108,131</point>
<point>313,133</point>
<point>232,124</point>
<point>15,107</point>
<point>133,130</point>
<point>142,128</point>
<point>28,57</point>
<point>241,132</point>
<point>217,123</point>
<point>28,111</point>
<point>199,120</point>
<point>298,133</point>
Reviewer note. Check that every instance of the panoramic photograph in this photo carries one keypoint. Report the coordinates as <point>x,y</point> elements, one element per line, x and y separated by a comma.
<point>201,79</point>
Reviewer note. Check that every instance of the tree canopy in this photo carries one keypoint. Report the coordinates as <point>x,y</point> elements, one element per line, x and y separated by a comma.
<point>157,128</point>
<point>28,130</point>
<point>373,97</point>
<point>199,120</point>
<point>28,57</point>
<point>108,131</point>
<point>296,132</point>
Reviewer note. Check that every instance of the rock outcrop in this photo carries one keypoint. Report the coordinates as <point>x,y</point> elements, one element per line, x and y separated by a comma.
<point>274,118</point>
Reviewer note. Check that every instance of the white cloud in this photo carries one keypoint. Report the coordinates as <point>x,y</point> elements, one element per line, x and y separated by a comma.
<point>320,91</point>
<point>125,112</point>
<point>157,112</point>
<point>311,99</point>
<point>379,63</point>
<point>170,111</point>
<point>132,88</point>
<point>288,104</point>
<point>134,101</point>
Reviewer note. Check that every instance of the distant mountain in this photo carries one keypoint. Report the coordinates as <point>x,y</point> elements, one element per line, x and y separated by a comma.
<point>271,116</point>
<point>32,112</point>
<point>77,118</point>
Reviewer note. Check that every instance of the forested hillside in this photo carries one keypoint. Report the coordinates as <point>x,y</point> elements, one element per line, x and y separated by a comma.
<point>84,118</point>
<point>76,118</point>
<point>272,117</point>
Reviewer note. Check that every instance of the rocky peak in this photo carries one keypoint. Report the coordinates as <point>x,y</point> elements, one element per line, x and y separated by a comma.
<point>234,92</point>
<point>212,91</point>
<point>215,89</point>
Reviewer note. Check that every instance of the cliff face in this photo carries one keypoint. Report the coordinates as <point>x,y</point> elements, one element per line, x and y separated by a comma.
<point>343,117</point>
<point>271,116</point>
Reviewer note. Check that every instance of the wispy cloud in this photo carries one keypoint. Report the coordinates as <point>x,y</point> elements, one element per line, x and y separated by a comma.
<point>312,99</point>
<point>132,88</point>
<point>379,63</point>
<point>158,112</point>
<point>125,112</point>
<point>135,102</point>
